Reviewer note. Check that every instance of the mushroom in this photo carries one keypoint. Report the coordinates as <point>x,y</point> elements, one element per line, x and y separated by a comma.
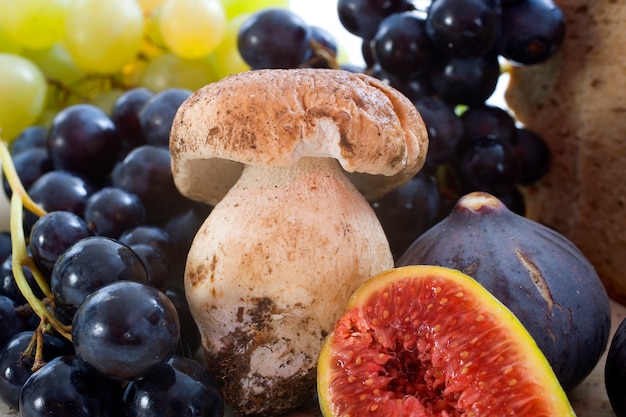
<point>288,159</point>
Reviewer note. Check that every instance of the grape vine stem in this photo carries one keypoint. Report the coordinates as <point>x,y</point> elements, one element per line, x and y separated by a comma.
<point>20,257</point>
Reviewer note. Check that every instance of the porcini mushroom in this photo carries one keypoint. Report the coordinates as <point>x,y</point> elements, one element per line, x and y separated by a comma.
<point>287,157</point>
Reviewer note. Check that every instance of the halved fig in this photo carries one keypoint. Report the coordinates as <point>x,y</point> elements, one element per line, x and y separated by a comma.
<point>431,341</point>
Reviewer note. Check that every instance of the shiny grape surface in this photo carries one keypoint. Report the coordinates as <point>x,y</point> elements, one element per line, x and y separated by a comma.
<point>126,329</point>
<point>68,387</point>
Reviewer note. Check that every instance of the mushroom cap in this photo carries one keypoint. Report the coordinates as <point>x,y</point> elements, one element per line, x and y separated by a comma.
<point>274,117</point>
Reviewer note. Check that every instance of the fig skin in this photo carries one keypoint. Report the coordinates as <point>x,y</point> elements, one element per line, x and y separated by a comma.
<point>541,276</point>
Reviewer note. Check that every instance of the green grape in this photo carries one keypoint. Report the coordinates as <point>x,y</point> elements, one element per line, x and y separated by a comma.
<point>192,28</point>
<point>62,75</point>
<point>56,64</point>
<point>226,57</point>
<point>7,44</point>
<point>148,6</point>
<point>169,70</point>
<point>22,94</point>
<point>152,31</point>
<point>35,24</point>
<point>102,36</point>
<point>236,7</point>
<point>105,100</point>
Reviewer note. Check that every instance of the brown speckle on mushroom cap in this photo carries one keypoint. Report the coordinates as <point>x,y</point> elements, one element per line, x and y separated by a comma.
<point>275,117</point>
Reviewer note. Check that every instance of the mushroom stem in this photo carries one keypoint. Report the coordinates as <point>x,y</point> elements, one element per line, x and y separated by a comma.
<point>269,273</point>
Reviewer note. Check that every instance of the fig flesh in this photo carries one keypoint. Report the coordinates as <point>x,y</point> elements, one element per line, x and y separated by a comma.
<point>431,341</point>
<point>535,271</point>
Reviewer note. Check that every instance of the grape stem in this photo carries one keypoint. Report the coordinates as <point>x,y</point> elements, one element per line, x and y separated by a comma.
<point>34,349</point>
<point>323,53</point>
<point>20,258</point>
<point>14,181</point>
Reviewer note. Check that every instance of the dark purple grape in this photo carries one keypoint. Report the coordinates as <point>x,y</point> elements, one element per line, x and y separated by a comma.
<point>408,211</point>
<point>413,88</point>
<point>531,31</point>
<point>462,28</point>
<point>465,81</point>
<point>125,114</point>
<point>156,263</point>
<point>362,17</point>
<point>513,199</point>
<point>190,339</point>
<point>324,40</point>
<point>160,240</point>
<point>84,139</point>
<point>92,263</point>
<point>180,388</point>
<point>67,387</point>
<point>368,53</point>
<point>486,120</point>
<point>154,236</point>
<point>10,322</point>
<point>157,115</point>
<point>274,38</point>
<point>59,191</point>
<point>111,211</point>
<point>16,366</point>
<point>8,286</point>
<point>401,45</point>
<point>52,234</point>
<point>31,137</point>
<point>445,130</point>
<point>30,164</point>
<point>533,154</point>
<point>182,229</point>
<point>146,172</point>
<point>126,329</point>
<point>6,245</point>
<point>487,164</point>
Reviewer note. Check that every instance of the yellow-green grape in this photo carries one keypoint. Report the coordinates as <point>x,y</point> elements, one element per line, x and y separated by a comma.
<point>6,43</point>
<point>192,28</point>
<point>153,39</point>
<point>56,64</point>
<point>102,36</point>
<point>34,24</point>
<point>171,71</point>
<point>226,57</point>
<point>236,7</point>
<point>22,94</point>
<point>105,100</point>
<point>148,6</point>
<point>62,74</point>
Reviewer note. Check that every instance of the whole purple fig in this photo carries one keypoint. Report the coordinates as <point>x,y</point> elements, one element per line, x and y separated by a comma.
<point>541,276</point>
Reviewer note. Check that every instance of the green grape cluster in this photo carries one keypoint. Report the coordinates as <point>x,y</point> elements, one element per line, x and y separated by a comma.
<point>54,53</point>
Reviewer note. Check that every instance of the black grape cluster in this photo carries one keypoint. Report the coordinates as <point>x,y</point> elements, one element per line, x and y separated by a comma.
<point>110,249</point>
<point>446,56</point>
